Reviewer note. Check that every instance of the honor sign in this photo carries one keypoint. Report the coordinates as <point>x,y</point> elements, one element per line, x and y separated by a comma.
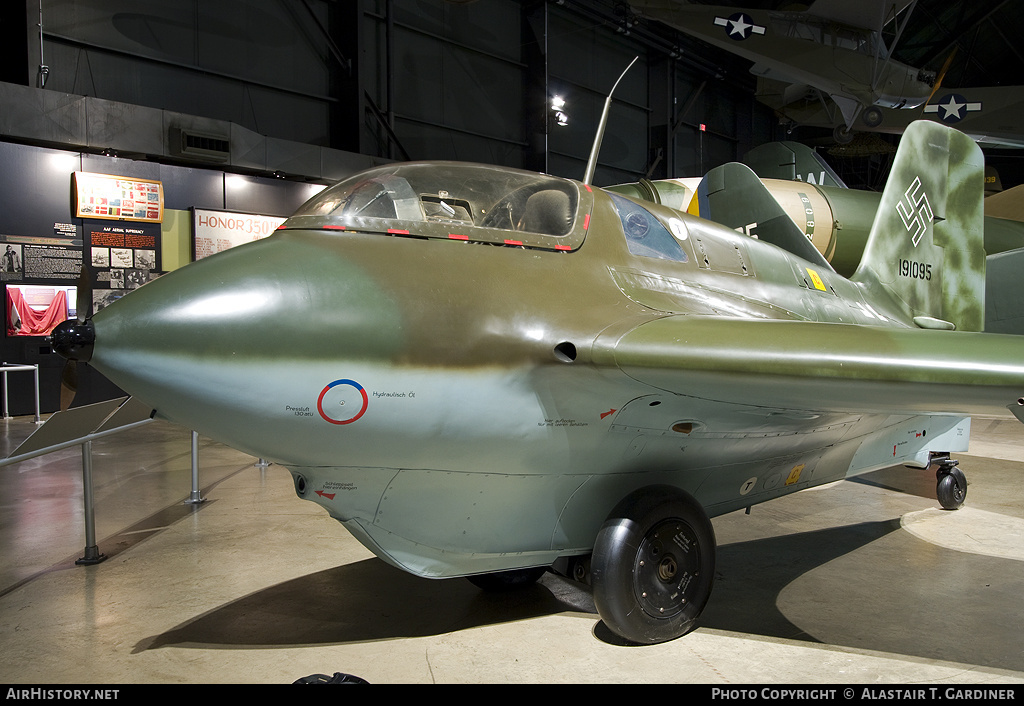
<point>214,231</point>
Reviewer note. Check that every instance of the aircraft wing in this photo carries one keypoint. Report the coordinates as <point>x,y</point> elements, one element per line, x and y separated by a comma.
<point>866,14</point>
<point>1008,205</point>
<point>804,365</point>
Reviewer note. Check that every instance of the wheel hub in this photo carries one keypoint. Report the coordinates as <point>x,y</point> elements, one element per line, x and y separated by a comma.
<point>667,568</point>
<point>667,561</point>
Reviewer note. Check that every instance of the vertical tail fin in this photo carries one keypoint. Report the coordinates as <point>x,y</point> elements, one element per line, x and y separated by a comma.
<point>731,194</point>
<point>926,246</point>
<point>791,161</point>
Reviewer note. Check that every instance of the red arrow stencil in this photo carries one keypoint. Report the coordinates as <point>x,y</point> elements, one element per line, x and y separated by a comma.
<point>605,414</point>
<point>322,494</point>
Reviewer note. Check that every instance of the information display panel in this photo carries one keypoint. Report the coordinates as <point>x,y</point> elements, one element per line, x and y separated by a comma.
<point>117,198</point>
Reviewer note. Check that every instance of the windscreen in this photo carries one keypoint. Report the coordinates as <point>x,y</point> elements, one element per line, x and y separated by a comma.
<point>453,195</point>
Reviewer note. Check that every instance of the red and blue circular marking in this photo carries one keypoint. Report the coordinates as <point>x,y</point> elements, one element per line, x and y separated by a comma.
<point>351,383</point>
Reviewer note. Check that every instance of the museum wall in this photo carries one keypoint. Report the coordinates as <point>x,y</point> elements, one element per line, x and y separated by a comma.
<point>36,216</point>
<point>256,63</point>
<point>301,94</point>
<point>430,79</point>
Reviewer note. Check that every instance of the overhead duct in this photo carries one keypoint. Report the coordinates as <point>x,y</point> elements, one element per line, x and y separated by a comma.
<point>195,145</point>
<point>68,121</point>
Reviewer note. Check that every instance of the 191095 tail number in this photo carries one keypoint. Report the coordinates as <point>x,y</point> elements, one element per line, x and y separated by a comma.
<point>914,270</point>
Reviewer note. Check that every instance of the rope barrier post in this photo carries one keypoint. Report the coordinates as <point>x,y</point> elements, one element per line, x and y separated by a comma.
<point>92,552</point>
<point>36,373</point>
<point>195,496</point>
<point>5,368</point>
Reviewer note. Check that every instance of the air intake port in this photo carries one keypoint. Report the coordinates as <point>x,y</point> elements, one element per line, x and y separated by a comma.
<point>565,352</point>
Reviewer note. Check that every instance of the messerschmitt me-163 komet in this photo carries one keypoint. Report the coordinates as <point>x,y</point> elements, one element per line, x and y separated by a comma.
<point>490,373</point>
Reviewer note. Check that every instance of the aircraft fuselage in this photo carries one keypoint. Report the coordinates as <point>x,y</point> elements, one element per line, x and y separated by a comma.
<point>445,389</point>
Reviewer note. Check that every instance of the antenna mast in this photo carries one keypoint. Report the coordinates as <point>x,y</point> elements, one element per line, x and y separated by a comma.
<point>588,176</point>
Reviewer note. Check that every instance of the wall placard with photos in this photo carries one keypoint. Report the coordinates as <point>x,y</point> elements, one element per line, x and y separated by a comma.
<point>116,233</point>
<point>40,273</point>
<point>122,256</point>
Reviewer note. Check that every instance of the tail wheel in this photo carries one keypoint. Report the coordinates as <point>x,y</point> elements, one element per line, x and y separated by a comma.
<point>653,565</point>
<point>951,489</point>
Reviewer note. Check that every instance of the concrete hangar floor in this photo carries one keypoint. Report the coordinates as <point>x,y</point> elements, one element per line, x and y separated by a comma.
<point>860,581</point>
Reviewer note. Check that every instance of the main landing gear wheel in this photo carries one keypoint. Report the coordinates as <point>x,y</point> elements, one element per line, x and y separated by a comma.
<point>951,489</point>
<point>653,565</point>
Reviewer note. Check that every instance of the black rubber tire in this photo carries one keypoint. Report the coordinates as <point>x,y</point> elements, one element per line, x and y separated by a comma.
<point>951,489</point>
<point>507,580</point>
<point>872,116</point>
<point>653,565</point>
<point>842,135</point>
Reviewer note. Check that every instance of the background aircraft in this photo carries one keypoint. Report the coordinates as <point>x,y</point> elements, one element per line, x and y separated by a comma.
<point>991,115</point>
<point>871,66</point>
<point>491,373</point>
<point>786,193</point>
<point>834,48</point>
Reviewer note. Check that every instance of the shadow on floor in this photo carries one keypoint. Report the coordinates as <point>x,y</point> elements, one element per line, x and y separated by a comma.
<point>370,600</point>
<point>367,600</point>
<point>868,586</point>
<point>843,586</point>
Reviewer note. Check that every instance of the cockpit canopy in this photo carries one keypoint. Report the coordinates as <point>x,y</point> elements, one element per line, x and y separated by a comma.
<point>452,200</point>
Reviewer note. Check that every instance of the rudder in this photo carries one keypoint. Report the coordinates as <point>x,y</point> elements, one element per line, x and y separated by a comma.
<point>926,247</point>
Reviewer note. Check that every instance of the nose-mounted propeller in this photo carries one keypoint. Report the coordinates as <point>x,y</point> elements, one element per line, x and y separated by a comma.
<point>73,339</point>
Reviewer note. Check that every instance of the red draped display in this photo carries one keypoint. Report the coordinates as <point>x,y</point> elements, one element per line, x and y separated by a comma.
<point>23,320</point>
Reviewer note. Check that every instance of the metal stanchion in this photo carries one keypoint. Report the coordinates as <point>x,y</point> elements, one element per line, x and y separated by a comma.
<point>195,497</point>
<point>80,427</point>
<point>36,368</point>
<point>5,368</point>
<point>92,552</point>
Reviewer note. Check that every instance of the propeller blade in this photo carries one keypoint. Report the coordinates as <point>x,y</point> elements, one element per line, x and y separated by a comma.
<point>83,300</point>
<point>68,384</point>
<point>942,75</point>
<point>73,339</point>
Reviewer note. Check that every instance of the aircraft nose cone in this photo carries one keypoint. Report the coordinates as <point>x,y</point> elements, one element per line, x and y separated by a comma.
<point>233,344</point>
<point>73,339</point>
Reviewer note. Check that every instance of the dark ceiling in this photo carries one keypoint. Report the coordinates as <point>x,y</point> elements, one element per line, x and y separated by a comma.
<point>984,35</point>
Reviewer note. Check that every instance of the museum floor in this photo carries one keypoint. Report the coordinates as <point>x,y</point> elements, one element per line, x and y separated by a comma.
<point>857,582</point>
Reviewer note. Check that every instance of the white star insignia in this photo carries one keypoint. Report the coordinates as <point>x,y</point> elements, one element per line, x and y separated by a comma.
<point>739,26</point>
<point>952,108</point>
